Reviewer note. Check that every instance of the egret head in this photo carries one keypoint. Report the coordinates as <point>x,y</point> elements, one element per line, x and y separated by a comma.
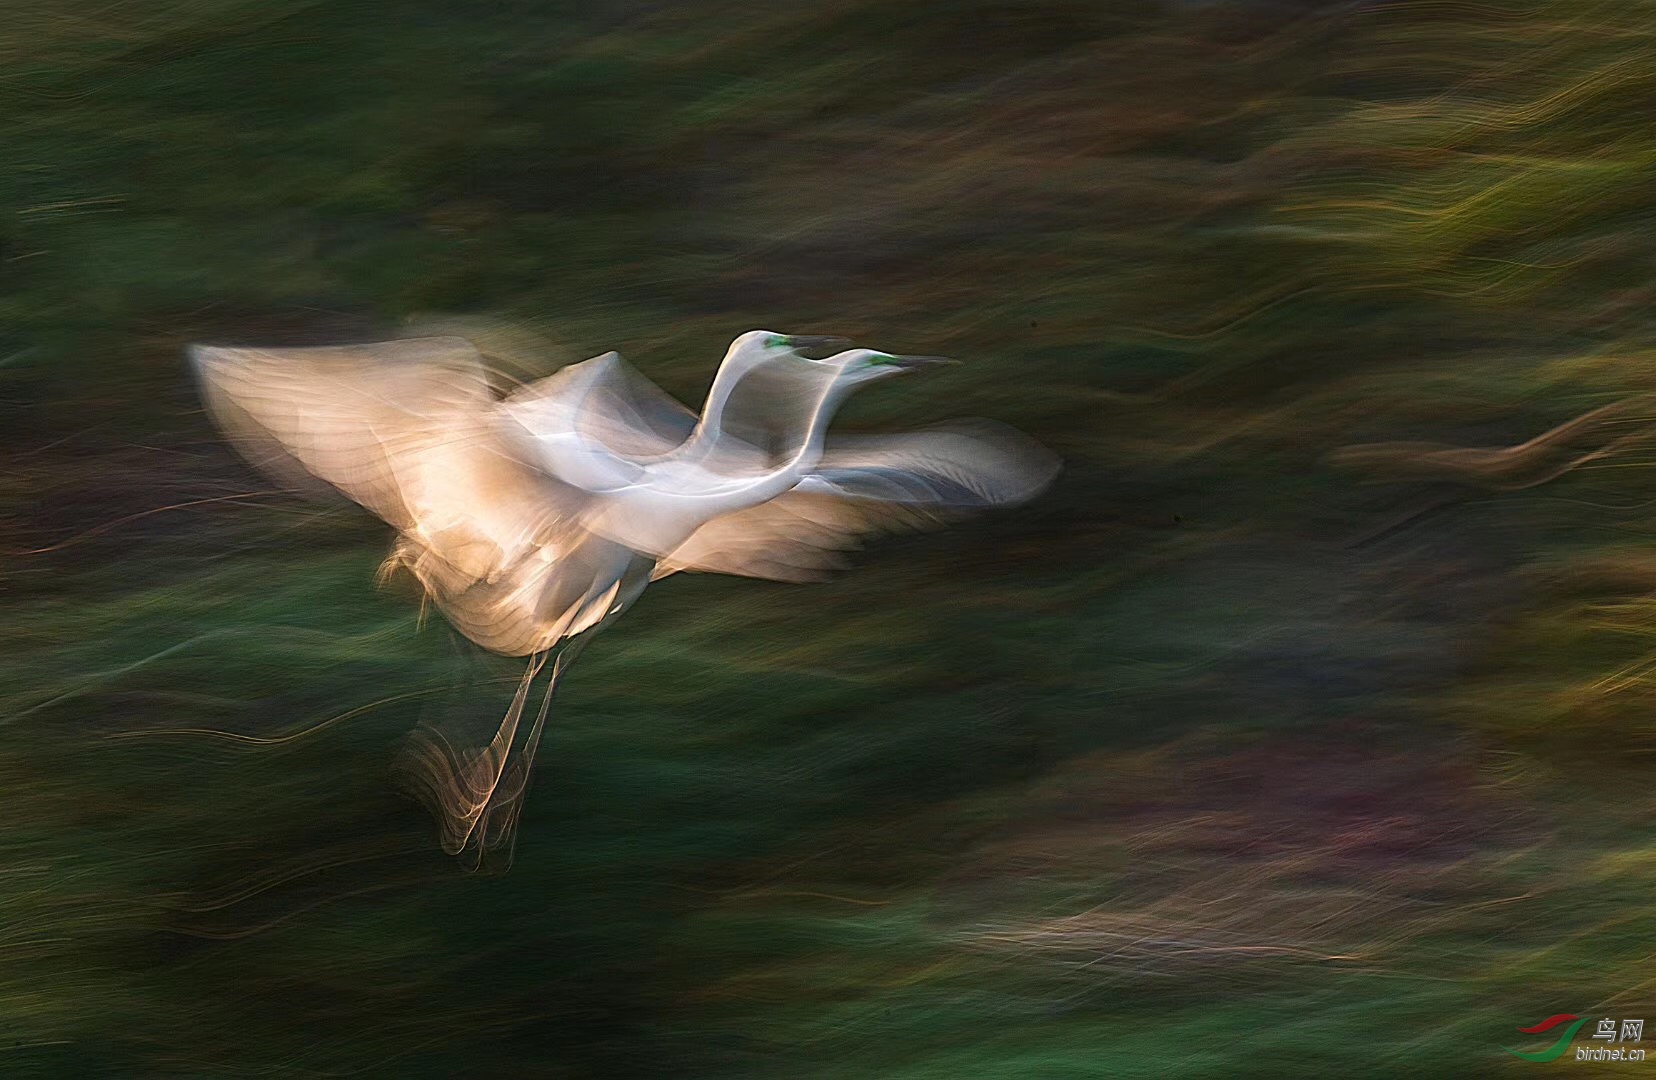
<point>857,366</point>
<point>757,346</point>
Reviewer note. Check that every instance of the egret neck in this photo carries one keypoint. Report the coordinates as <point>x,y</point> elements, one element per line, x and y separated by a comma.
<point>678,495</point>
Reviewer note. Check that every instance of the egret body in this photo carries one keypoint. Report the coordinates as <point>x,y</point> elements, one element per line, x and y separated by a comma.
<point>535,519</point>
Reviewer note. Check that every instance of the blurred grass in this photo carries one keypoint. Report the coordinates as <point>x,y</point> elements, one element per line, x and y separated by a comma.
<point>1218,760</point>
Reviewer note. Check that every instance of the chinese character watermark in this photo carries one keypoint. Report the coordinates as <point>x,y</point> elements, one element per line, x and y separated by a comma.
<point>1605,1031</point>
<point>1631,1030</point>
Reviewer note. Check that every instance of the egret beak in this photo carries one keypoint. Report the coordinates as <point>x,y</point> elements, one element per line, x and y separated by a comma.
<point>814,342</point>
<point>909,363</point>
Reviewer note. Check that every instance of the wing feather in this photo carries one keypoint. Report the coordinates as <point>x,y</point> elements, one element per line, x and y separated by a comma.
<point>412,431</point>
<point>353,417</point>
<point>591,421</point>
<point>865,486</point>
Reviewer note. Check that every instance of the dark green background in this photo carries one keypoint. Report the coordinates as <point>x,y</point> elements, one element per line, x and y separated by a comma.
<point>1223,759</point>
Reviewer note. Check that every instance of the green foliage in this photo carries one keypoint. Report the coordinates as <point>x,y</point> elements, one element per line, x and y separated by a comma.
<point>1216,761</point>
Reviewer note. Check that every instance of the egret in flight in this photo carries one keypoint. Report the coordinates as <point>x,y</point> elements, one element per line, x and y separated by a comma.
<point>534,519</point>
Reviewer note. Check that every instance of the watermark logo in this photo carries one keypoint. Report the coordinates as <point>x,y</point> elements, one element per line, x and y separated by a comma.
<point>1556,1050</point>
<point>1607,1031</point>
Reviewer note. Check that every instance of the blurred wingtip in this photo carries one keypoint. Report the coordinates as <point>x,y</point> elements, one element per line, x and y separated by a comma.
<point>201,356</point>
<point>519,348</point>
<point>1029,467</point>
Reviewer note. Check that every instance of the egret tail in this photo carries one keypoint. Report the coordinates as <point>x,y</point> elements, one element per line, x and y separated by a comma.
<point>459,782</point>
<point>477,795</point>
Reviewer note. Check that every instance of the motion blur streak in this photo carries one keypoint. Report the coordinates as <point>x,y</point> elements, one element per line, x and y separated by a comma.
<point>1302,727</point>
<point>535,520</point>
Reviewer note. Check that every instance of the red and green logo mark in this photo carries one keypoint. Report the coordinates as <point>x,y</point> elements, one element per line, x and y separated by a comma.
<point>1556,1050</point>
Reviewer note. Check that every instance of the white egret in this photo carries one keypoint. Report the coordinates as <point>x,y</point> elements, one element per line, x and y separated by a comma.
<point>534,520</point>
<point>596,421</point>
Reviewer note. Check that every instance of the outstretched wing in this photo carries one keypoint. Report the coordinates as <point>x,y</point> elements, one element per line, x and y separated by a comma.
<point>868,485</point>
<point>413,431</point>
<point>591,423</point>
<point>351,416</point>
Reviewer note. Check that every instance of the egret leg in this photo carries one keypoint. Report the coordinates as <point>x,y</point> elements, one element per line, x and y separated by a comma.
<point>461,784</point>
<point>498,826</point>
